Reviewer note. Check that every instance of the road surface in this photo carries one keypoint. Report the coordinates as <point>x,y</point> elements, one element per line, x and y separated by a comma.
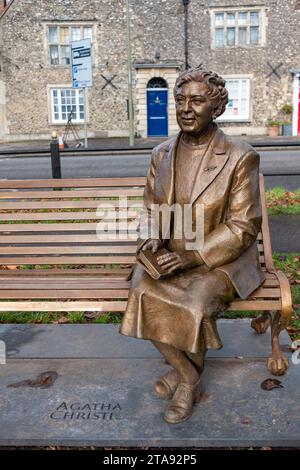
<point>285,161</point>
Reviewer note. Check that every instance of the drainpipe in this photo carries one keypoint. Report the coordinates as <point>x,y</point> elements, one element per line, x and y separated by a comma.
<point>129,71</point>
<point>186,45</point>
<point>296,89</point>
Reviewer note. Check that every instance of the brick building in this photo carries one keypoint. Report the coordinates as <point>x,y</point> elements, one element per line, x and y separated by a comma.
<point>252,43</point>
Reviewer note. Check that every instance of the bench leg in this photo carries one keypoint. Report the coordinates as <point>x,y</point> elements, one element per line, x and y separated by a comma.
<point>262,323</point>
<point>277,363</point>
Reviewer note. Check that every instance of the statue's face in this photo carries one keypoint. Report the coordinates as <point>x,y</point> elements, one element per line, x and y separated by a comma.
<point>194,110</point>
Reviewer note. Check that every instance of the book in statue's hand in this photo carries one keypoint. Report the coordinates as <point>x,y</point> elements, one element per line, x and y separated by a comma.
<point>148,261</point>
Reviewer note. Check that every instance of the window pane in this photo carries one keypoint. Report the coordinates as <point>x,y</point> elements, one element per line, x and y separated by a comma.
<point>254,35</point>
<point>233,88</point>
<point>238,104</point>
<point>54,55</point>
<point>242,36</point>
<point>230,19</point>
<point>244,88</point>
<point>244,106</point>
<point>62,111</point>
<point>230,36</point>
<point>219,37</point>
<point>65,53</point>
<point>53,35</point>
<point>254,18</point>
<point>87,33</point>
<point>243,17</point>
<point>219,19</point>
<point>76,33</point>
<point>65,35</point>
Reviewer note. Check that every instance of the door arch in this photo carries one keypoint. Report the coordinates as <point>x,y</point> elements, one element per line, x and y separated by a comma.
<point>157,107</point>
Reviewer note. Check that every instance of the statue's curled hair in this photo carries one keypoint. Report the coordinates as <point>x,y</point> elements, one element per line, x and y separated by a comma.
<point>217,92</point>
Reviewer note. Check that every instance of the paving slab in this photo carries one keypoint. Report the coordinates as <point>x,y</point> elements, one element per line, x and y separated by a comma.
<point>285,232</point>
<point>109,402</point>
<point>102,392</point>
<point>104,341</point>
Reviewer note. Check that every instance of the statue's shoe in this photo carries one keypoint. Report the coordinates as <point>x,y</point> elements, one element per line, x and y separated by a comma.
<point>181,407</point>
<point>165,387</point>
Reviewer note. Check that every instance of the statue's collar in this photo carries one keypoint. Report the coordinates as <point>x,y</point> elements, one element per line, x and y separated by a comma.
<point>218,140</point>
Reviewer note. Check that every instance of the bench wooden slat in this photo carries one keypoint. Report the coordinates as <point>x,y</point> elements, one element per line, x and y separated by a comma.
<point>64,294</point>
<point>66,204</point>
<point>266,292</point>
<point>85,204</point>
<point>68,260</point>
<point>66,216</point>
<point>74,183</point>
<point>96,193</point>
<point>64,290</point>
<point>98,306</point>
<point>68,272</point>
<point>60,284</point>
<point>254,305</point>
<point>261,292</point>
<point>114,306</point>
<point>61,238</point>
<point>100,249</point>
<point>270,277</point>
<point>64,227</point>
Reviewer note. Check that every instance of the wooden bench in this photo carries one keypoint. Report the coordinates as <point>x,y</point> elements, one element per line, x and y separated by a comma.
<point>49,227</point>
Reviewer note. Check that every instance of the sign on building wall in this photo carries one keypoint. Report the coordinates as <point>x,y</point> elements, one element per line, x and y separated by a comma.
<point>81,56</point>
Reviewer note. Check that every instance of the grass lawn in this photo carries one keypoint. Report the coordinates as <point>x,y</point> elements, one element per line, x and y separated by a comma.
<point>281,201</point>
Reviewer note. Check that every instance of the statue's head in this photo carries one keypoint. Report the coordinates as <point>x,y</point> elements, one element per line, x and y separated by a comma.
<point>200,97</point>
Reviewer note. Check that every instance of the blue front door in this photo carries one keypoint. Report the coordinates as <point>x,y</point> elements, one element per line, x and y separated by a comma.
<point>157,110</point>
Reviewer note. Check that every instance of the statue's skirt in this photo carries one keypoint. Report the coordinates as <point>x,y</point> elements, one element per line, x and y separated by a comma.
<point>179,310</point>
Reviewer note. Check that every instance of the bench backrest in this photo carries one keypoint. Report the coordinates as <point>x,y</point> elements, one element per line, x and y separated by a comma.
<point>51,224</point>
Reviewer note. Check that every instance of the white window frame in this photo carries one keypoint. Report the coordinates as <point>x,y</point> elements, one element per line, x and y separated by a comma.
<point>246,117</point>
<point>61,121</point>
<point>236,10</point>
<point>78,24</point>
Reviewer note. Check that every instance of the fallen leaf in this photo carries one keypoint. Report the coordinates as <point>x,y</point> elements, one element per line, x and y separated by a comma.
<point>63,320</point>
<point>247,421</point>
<point>91,315</point>
<point>43,380</point>
<point>269,384</point>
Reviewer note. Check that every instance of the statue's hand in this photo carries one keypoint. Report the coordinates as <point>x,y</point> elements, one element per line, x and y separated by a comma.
<point>175,260</point>
<point>153,245</point>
